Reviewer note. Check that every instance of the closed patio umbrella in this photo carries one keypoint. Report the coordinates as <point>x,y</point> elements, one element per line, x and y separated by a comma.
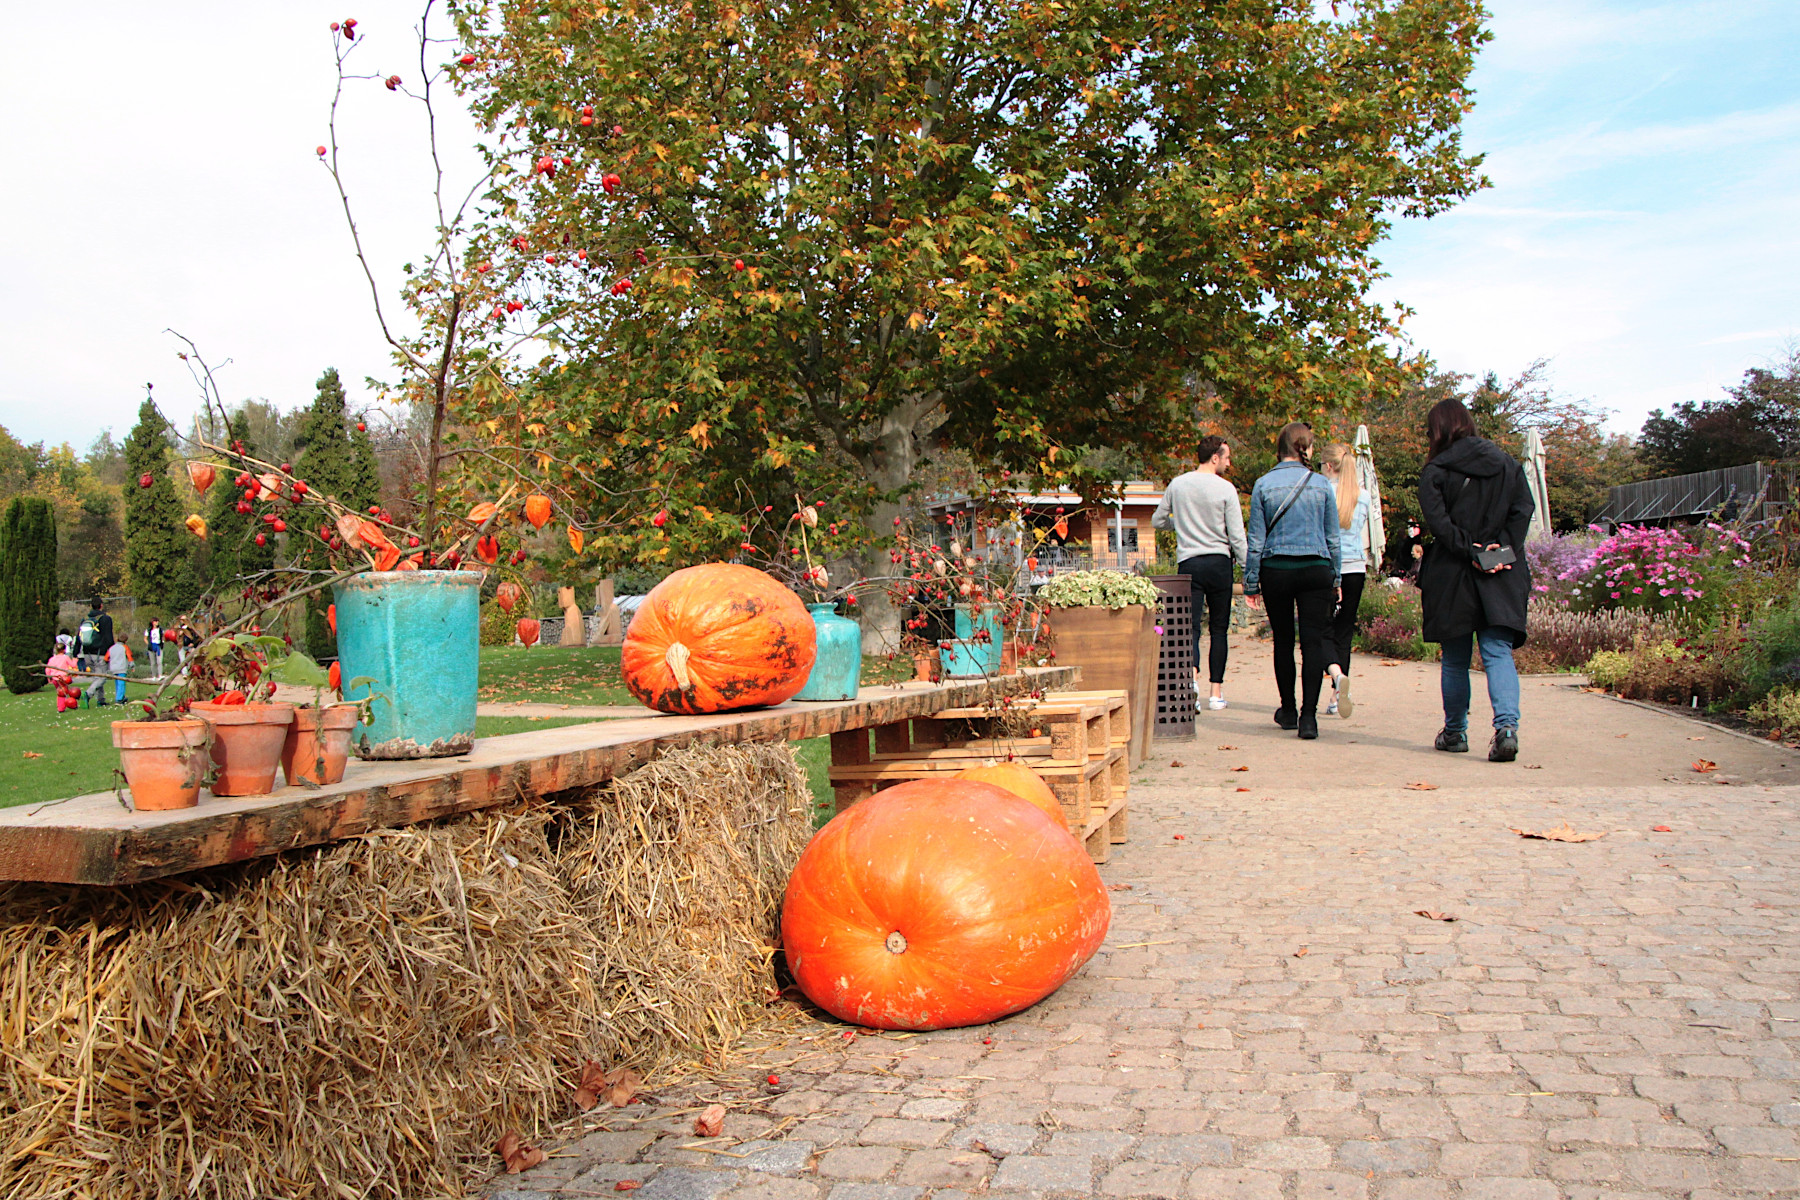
<point>1375,532</point>
<point>1540,488</point>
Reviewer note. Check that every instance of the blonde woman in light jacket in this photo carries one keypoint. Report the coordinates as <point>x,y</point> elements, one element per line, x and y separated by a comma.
<point>1337,462</point>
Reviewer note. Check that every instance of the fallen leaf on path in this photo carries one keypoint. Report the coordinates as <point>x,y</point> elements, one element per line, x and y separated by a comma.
<point>1421,786</point>
<point>1432,914</point>
<point>1118,887</point>
<point>1302,952</point>
<point>1533,767</point>
<point>1388,662</point>
<point>1661,829</point>
<point>710,1122</point>
<point>1176,762</point>
<point>627,1185</point>
<point>1180,837</point>
<point>1243,789</point>
<point>517,1153</point>
<point>1562,833</point>
<point>33,754</point>
<point>1705,765</point>
<point>592,1083</point>
<point>622,1083</point>
<point>1228,747</point>
<point>1696,739</point>
<point>1623,735</point>
<point>1240,768</point>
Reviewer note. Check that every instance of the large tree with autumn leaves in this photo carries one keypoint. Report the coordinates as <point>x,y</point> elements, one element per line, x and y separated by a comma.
<point>820,238</point>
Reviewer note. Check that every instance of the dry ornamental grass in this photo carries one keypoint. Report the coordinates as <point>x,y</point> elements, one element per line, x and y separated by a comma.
<point>368,1018</point>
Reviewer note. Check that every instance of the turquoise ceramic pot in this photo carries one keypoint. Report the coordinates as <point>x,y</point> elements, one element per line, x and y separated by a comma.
<point>417,634</point>
<point>837,668</point>
<point>967,656</point>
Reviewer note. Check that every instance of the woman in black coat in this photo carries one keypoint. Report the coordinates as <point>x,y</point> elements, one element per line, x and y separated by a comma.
<point>1474,497</point>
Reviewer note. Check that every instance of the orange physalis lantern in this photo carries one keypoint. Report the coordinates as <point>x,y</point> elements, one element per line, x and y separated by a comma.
<point>537,510</point>
<point>576,539</point>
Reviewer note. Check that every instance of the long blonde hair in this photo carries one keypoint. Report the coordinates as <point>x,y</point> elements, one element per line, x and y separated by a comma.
<point>1342,461</point>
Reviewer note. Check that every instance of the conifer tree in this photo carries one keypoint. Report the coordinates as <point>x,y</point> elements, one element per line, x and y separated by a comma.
<point>27,592</point>
<point>364,487</point>
<point>232,534</point>
<point>327,466</point>
<point>158,549</point>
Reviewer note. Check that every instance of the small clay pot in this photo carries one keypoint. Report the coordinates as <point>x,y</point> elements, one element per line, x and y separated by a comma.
<point>163,761</point>
<point>927,666</point>
<point>246,745</point>
<point>307,756</point>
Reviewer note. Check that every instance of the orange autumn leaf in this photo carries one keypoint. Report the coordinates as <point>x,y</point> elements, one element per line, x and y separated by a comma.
<point>537,510</point>
<point>1562,833</point>
<point>517,1153</point>
<point>487,548</point>
<point>372,534</point>
<point>591,1084</point>
<point>1705,766</point>
<point>576,539</point>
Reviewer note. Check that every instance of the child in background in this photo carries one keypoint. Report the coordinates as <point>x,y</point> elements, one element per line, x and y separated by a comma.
<point>60,671</point>
<point>118,665</point>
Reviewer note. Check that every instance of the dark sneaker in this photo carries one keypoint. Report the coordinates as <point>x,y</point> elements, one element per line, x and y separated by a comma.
<point>1309,726</point>
<point>1286,718</point>
<point>1453,743</point>
<point>1505,747</point>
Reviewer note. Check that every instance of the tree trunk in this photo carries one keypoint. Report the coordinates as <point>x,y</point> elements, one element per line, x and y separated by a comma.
<point>889,462</point>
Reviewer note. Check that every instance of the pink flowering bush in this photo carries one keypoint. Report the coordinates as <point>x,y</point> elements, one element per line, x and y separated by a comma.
<point>1661,570</point>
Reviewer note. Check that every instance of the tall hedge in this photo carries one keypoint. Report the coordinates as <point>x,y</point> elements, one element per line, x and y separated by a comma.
<point>327,464</point>
<point>159,551</point>
<point>27,592</point>
<point>231,534</point>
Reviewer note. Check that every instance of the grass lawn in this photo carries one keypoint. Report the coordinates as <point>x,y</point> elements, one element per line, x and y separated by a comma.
<point>49,757</point>
<point>553,675</point>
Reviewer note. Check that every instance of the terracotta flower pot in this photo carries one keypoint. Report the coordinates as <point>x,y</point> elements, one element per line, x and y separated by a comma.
<point>927,667</point>
<point>309,757</point>
<point>163,761</point>
<point>246,745</point>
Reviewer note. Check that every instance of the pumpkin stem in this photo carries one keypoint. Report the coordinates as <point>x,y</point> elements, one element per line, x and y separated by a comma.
<point>896,942</point>
<point>676,656</point>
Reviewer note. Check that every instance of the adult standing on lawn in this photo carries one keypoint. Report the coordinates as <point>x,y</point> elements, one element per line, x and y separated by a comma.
<point>1339,461</point>
<point>153,642</point>
<point>96,636</point>
<point>1203,510</point>
<point>1477,505</point>
<point>1293,564</point>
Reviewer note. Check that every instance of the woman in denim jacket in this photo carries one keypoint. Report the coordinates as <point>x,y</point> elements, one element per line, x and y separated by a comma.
<point>1294,564</point>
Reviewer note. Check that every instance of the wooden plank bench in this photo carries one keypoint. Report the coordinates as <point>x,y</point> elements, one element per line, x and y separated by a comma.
<point>96,839</point>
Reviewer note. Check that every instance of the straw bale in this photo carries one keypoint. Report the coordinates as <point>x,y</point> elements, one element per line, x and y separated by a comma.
<point>367,1018</point>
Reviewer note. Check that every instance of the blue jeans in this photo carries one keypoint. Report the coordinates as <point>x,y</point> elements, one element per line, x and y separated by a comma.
<point>1502,679</point>
<point>119,696</point>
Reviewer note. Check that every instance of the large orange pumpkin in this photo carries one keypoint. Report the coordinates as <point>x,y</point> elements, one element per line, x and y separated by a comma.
<point>940,903</point>
<point>1022,782</point>
<point>717,637</point>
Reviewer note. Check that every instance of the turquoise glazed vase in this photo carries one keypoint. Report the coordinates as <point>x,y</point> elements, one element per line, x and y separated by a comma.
<point>967,657</point>
<point>837,669</point>
<point>417,635</point>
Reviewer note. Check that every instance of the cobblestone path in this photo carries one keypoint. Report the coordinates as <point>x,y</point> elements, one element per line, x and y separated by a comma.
<point>1271,1019</point>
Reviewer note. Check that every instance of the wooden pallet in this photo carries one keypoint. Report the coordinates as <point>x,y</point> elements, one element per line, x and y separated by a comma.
<point>1092,793</point>
<point>1105,830</point>
<point>1068,728</point>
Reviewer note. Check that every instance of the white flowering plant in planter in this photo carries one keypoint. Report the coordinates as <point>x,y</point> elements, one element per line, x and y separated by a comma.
<point>1098,589</point>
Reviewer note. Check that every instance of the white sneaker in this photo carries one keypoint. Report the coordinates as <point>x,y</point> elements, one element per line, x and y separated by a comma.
<point>1331,709</point>
<point>1216,703</point>
<point>1344,705</point>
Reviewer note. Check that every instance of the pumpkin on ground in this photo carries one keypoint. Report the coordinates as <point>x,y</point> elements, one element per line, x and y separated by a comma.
<point>940,903</point>
<point>1022,782</point>
<point>717,637</point>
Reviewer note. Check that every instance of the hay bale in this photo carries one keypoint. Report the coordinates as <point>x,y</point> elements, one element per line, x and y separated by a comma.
<point>367,1018</point>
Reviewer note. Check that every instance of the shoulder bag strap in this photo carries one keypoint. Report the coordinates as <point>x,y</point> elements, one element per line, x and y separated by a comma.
<point>1288,503</point>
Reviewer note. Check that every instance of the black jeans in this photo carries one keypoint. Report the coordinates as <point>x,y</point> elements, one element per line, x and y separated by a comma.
<point>1307,593</point>
<point>1343,622</point>
<point>1211,576</point>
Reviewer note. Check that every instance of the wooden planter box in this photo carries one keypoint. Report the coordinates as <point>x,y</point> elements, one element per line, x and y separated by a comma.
<point>1116,650</point>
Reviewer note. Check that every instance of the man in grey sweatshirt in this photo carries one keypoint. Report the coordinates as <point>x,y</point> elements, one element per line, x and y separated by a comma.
<point>1203,510</point>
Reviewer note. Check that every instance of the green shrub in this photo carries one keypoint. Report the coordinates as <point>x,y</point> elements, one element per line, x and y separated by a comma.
<point>1389,621</point>
<point>497,625</point>
<point>1607,668</point>
<point>1780,709</point>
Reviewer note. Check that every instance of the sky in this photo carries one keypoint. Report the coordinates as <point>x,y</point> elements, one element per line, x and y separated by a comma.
<point>1642,232</point>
